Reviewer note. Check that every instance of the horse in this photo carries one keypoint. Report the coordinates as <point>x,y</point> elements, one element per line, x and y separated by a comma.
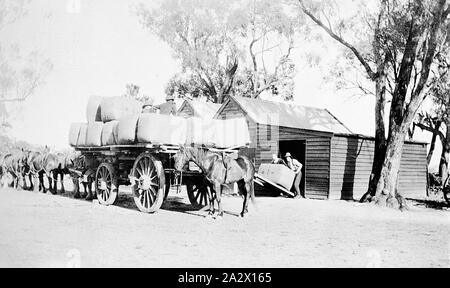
<point>75,166</point>
<point>42,164</point>
<point>35,162</point>
<point>26,169</point>
<point>220,170</point>
<point>2,170</point>
<point>12,166</point>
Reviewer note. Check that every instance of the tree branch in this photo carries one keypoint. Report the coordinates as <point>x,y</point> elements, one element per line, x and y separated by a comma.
<point>430,129</point>
<point>372,75</point>
<point>431,49</point>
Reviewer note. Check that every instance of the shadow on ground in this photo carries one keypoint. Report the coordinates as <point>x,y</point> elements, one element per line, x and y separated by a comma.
<point>432,204</point>
<point>174,202</point>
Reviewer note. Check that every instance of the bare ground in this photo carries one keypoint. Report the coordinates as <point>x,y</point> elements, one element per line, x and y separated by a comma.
<point>43,230</point>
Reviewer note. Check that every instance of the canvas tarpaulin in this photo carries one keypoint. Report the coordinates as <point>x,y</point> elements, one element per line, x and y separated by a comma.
<point>232,133</point>
<point>218,133</point>
<point>200,131</point>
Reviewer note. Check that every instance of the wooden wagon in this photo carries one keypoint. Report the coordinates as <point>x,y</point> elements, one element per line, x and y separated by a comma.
<point>148,168</point>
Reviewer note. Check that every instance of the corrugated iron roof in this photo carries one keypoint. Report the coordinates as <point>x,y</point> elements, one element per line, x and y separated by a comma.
<point>289,115</point>
<point>202,109</point>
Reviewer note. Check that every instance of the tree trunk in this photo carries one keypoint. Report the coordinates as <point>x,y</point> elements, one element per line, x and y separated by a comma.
<point>432,145</point>
<point>386,192</point>
<point>232,65</point>
<point>380,136</point>
<point>401,115</point>
<point>387,187</point>
<point>445,155</point>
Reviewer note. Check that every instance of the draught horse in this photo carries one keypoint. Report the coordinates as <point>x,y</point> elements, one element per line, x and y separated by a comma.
<point>59,164</point>
<point>12,164</point>
<point>45,163</point>
<point>2,169</point>
<point>77,167</point>
<point>220,170</point>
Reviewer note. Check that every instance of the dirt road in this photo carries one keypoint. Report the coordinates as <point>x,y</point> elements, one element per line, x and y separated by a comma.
<point>41,230</point>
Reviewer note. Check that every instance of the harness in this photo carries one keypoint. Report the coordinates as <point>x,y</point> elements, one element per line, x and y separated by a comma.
<point>41,159</point>
<point>226,167</point>
<point>38,158</point>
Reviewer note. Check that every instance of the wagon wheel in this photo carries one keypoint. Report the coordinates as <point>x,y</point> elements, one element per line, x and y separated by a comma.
<point>106,186</point>
<point>198,193</point>
<point>446,190</point>
<point>167,185</point>
<point>148,186</point>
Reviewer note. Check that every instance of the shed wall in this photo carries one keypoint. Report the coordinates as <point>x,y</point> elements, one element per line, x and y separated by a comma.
<point>351,165</point>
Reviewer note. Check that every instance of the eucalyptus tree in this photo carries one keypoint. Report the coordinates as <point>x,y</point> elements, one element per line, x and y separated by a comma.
<point>224,46</point>
<point>398,44</point>
<point>20,75</point>
<point>437,121</point>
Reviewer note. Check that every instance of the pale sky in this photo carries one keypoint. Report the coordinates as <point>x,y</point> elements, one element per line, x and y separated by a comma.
<point>98,46</point>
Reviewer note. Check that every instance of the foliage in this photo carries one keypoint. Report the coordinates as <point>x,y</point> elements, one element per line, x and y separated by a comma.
<point>133,91</point>
<point>436,119</point>
<point>20,75</point>
<point>226,47</point>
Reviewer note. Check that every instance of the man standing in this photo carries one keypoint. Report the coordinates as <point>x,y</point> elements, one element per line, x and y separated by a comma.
<point>169,107</point>
<point>295,166</point>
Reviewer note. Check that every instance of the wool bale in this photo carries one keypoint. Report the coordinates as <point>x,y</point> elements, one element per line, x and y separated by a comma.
<point>109,133</point>
<point>231,133</point>
<point>115,108</point>
<point>94,134</point>
<point>74,133</point>
<point>161,129</point>
<point>277,173</point>
<point>93,110</point>
<point>81,141</point>
<point>126,129</point>
<point>200,131</point>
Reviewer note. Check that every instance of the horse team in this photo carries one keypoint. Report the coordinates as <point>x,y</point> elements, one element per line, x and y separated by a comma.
<point>27,169</point>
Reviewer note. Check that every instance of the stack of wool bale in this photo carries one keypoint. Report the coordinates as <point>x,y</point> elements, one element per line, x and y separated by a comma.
<point>110,121</point>
<point>120,121</point>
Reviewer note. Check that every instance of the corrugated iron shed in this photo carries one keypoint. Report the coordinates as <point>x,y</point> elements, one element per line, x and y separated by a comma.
<point>289,115</point>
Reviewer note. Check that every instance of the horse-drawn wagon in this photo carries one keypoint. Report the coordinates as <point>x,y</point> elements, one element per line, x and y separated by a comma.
<point>124,147</point>
<point>149,170</point>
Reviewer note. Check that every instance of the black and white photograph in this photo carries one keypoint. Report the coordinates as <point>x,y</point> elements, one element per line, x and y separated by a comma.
<point>225,134</point>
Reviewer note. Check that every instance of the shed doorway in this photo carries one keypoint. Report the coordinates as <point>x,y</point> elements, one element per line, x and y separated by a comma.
<point>297,148</point>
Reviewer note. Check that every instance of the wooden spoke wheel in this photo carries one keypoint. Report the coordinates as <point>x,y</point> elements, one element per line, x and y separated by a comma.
<point>106,186</point>
<point>168,178</point>
<point>446,190</point>
<point>198,193</point>
<point>148,185</point>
